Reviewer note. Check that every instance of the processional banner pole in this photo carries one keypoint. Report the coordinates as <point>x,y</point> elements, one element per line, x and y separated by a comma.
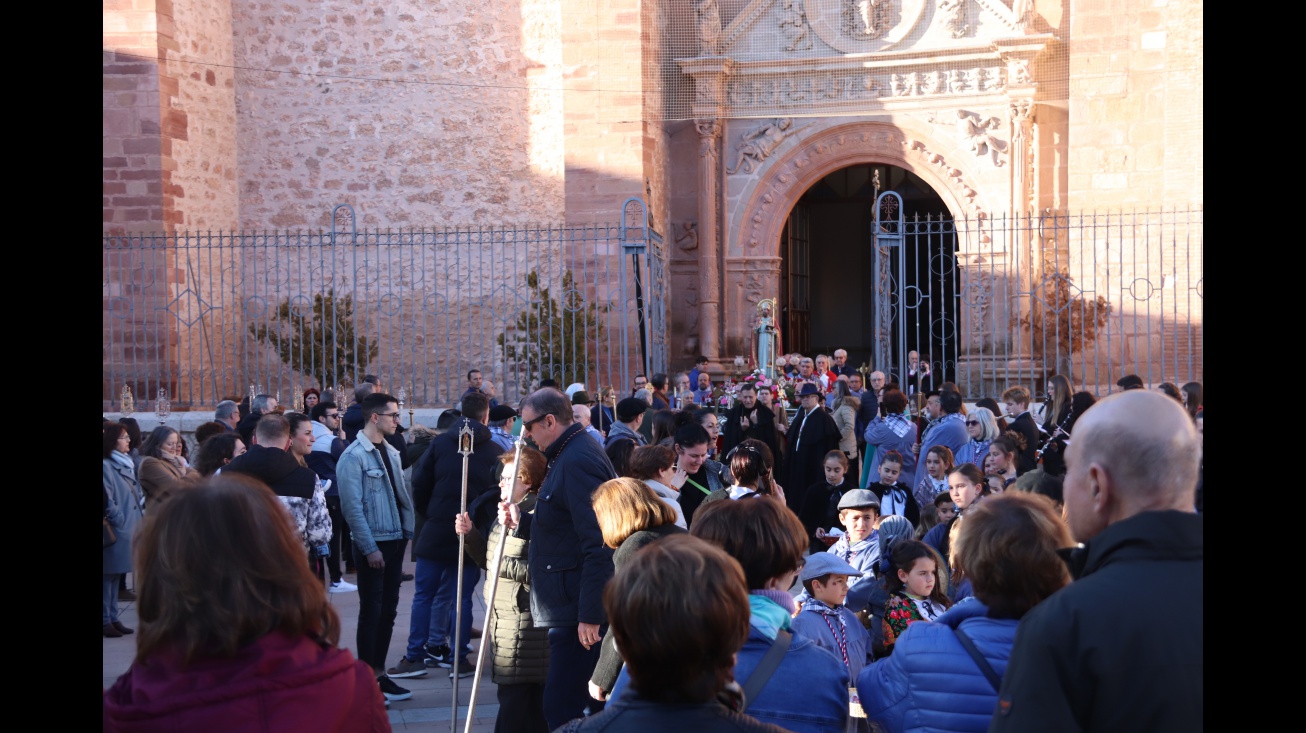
<point>464,450</point>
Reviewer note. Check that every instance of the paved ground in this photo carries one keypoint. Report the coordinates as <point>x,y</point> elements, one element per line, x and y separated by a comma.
<point>430,707</point>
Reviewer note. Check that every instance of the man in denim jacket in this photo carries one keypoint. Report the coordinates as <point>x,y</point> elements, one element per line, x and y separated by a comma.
<point>379,510</point>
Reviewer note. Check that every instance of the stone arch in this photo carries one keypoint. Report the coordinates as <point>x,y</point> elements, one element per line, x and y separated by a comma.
<point>780,184</point>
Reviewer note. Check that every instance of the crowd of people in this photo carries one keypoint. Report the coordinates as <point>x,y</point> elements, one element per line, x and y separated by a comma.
<point>894,556</point>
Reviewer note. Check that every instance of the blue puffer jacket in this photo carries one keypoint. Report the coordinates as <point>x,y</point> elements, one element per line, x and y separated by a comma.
<point>930,683</point>
<point>807,693</point>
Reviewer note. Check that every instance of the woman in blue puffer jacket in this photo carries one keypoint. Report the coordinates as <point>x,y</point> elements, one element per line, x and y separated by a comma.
<point>1008,548</point>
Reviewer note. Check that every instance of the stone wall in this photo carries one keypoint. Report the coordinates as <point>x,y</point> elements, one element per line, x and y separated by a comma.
<point>204,150</point>
<point>417,114</point>
<point>1135,103</point>
<point>133,165</point>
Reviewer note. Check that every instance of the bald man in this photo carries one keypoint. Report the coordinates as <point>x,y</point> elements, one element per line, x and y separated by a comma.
<point>1120,648</point>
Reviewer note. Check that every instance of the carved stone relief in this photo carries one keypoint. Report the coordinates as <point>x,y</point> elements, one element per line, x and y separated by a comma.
<point>863,26</point>
<point>757,145</point>
<point>865,19</point>
<point>954,17</point>
<point>709,27</point>
<point>793,23</point>
<point>763,217</point>
<point>687,240</point>
<point>1018,72</point>
<point>978,134</point>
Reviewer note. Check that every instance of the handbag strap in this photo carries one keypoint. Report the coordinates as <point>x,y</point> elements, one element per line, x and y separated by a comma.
<point>767,667</point>
<point>989,673</point>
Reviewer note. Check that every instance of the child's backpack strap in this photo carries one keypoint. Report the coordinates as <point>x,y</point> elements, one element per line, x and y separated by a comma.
<point>767,667</point>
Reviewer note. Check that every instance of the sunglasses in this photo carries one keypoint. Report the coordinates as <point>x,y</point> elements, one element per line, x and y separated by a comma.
<point>972,423</point>
<point>526,425</point>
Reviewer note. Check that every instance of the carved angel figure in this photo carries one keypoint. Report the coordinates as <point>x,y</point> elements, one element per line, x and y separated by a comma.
<point>954,17</point>
<point>978,133</point>
<point>793,21</point>
<point>709,27</point>
<point>757,145</point>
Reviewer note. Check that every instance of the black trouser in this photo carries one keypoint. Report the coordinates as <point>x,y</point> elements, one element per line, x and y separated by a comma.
<point>521,708</point>
<point>339,530</point>
<point>378,602</point>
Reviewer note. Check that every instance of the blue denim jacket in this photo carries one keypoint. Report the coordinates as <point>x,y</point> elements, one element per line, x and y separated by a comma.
<point>366,499</point>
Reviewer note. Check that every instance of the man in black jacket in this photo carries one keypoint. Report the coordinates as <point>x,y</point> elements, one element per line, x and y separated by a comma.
<point>269,460</point>
<point>263,404</point>
<point>437,496</point>
<point>1120,648</point>
<point>569,564</point>
<point>812,434</point>
<point>1016,402</point>
<point>748,419</point>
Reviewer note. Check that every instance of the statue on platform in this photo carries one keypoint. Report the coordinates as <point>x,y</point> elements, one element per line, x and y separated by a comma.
<point>766,338</point>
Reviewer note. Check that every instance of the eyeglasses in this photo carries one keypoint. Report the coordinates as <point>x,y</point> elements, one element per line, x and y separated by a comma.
<point>334,416</point>
<point>526,424</point>
<point>972,423</point>
<point>395,415</point>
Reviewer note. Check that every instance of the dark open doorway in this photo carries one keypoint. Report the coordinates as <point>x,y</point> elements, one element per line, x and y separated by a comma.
<point>827,283</point>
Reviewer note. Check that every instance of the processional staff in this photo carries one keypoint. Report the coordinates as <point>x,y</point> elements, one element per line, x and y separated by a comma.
<point>505,494</point>
<point>464,450</point>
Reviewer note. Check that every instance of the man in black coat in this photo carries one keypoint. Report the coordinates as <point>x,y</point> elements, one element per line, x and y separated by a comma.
<point>1120,648</point>
<point>263,404</point>
<point>437,496</point>
<point>269,460</point>
<point>1016,402</point>
<point>569,564</point>
<point>812,434</point>
<point>748,419</point>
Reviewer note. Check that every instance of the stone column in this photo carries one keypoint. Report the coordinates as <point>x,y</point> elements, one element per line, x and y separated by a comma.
<point>709,243</point>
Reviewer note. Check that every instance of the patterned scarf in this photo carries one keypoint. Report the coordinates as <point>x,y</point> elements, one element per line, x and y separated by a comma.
<point>771,611</point>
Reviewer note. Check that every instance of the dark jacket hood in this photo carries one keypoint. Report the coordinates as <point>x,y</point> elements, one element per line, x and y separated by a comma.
<point>276,468</point>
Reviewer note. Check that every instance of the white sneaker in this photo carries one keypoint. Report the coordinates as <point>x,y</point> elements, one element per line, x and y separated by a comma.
<point>341,586</point>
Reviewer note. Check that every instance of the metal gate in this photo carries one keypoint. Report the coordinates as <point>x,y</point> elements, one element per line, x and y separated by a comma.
<point>205,316</point>
<point>915,278</point>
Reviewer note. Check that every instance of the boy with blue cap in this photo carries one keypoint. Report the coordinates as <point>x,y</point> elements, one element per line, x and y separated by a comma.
<point>824,619</point>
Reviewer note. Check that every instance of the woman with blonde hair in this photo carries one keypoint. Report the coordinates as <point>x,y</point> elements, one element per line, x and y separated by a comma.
<point>945,675</point>
<point>983,428</point>
<point>630,516</point>
<point>246,643</point>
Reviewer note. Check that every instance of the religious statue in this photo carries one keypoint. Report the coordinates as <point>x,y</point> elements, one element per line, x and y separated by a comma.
<point>795,20</point>
<point>766,338</point>
<point>978,134</point>
<point>709,27</point>
<point>757,145</point>
<point>954,17</point>
<point>865,19</point>
<point>688,241</point>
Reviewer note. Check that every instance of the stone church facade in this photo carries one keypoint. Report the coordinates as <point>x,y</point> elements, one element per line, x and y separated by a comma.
<point>721,114</point>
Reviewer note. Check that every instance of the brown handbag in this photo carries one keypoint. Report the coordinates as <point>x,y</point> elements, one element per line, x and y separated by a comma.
<point>110,536</point>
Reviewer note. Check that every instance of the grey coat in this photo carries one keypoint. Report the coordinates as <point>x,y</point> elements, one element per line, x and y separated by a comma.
<point>124,513</point>
<point>521,651</point>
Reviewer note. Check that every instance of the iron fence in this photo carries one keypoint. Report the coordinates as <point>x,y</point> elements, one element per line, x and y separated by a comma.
<point>206,316</point>
<point>994,302</point>
<point>1011,300</point>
